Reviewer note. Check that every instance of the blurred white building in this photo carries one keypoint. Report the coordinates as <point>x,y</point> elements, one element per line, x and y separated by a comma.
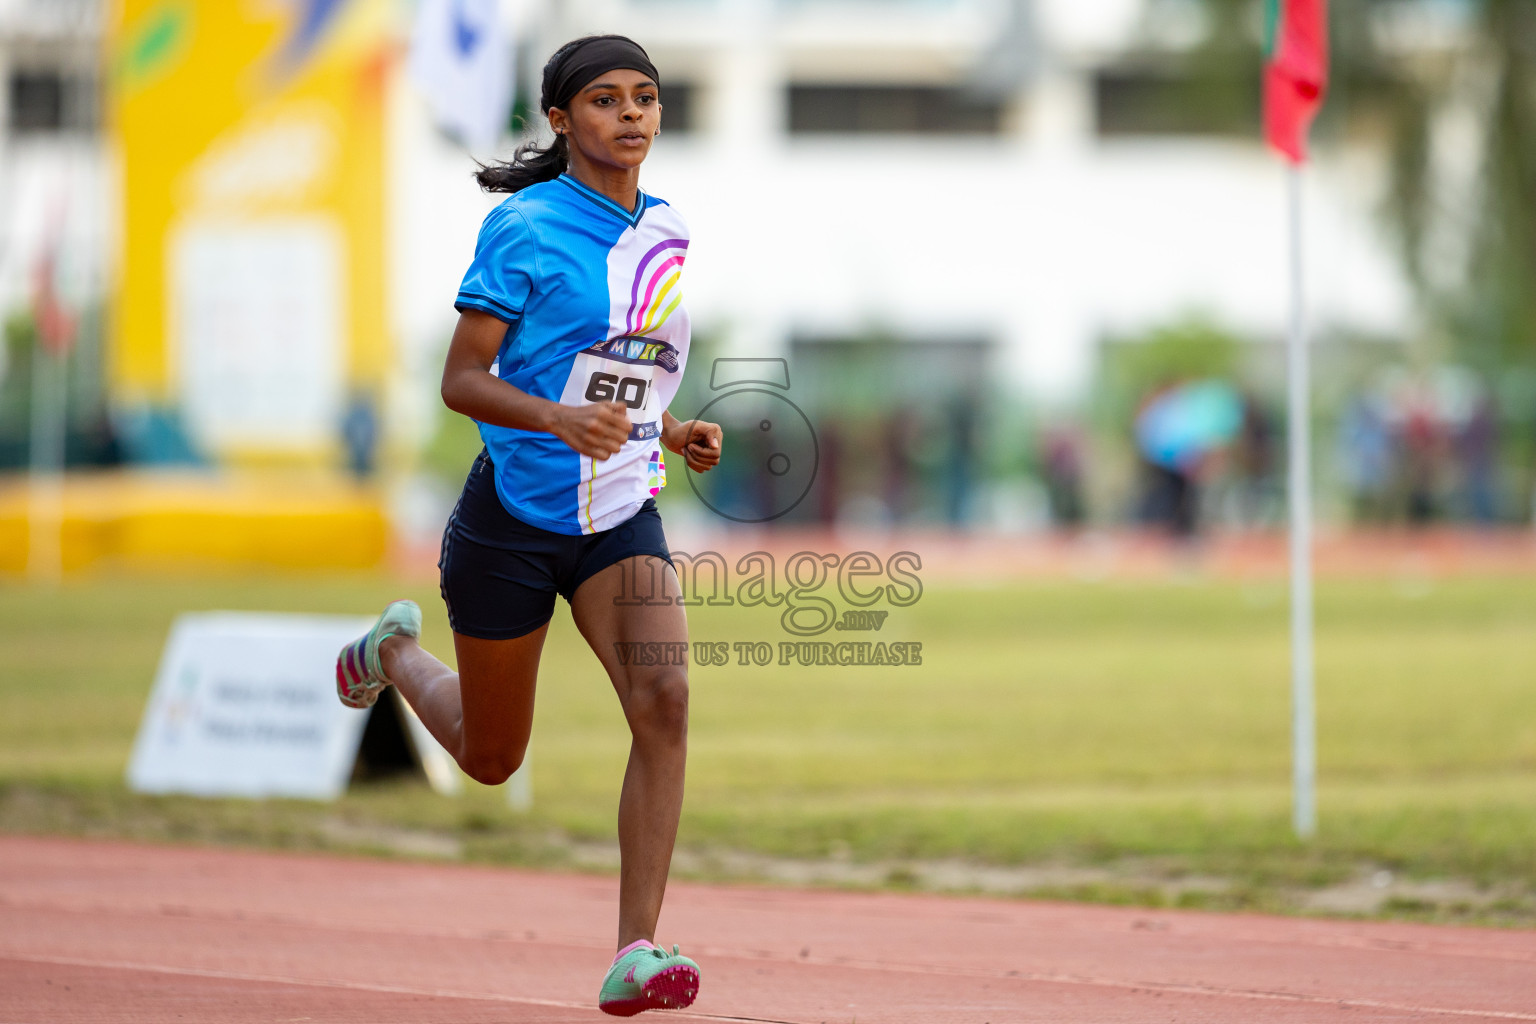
<point>964,179</point>
<point>966,176</point>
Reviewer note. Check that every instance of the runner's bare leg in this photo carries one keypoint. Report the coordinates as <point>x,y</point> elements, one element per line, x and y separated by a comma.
<point>481,714</point>
<point>655,703</point>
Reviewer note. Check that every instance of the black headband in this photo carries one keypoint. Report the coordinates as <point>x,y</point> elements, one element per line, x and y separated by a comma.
<point>586,60</point>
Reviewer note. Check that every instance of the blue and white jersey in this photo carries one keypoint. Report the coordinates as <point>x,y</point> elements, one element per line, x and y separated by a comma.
<point>591,296</point>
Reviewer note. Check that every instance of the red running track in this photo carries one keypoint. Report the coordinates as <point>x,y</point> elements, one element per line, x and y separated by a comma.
<point>97,931</point>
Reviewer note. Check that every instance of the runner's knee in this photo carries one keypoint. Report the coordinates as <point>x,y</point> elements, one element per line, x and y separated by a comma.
<point>659,705</point>
<point>492,768</point>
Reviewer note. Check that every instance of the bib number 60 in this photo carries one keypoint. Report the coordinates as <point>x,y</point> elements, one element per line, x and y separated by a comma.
<point>610,387</point>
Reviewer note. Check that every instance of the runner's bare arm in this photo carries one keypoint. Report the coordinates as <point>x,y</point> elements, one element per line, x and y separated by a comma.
<point>697,441</point>
<point>598,430</point>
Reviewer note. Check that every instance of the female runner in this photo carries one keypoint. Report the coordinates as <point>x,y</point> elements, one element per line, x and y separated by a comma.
<point>570,343</point>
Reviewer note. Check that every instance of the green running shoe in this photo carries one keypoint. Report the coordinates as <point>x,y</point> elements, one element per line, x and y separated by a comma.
<point>644,977</point>
<point>359,675</point>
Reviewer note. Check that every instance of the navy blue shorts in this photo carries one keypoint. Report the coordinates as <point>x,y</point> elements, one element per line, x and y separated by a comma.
<point>500,575</point>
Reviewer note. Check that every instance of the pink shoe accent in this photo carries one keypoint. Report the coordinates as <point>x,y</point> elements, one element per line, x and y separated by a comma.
<point>670,989</point>
<point>344,685</point>
<point>673,989</point>
<point>637,944</point>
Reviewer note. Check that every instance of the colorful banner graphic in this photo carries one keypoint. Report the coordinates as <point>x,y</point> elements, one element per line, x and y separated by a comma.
<point>250,292</point>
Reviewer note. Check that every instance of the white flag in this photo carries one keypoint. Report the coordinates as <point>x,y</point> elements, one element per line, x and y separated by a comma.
<point>461,60</point>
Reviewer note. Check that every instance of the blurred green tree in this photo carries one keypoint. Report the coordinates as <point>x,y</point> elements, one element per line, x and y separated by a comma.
<point>1131,369</point>
<point>1449,89</point>
<point>1443,94</point>
<point>1445,90</point>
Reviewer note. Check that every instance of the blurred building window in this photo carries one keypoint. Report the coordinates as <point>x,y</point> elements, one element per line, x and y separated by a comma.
<point>898,425</point>
<point>679,108</point>
<point>51,100</point>
<point>1164,102</point>
<point>892,109</point>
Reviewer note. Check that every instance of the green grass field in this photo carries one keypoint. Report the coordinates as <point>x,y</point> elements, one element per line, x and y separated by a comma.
<point>1114,741</point>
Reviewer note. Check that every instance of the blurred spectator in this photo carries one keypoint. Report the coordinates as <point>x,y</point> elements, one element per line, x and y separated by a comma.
<point>1062,463</point>
<point>1170,497</point>
<point>1254,465</point>
<point>829,470</point>
<point>154,436</point>
<point>1182,432</point>
<point>1476,446</point>
<point>360,435</point>
<point>1421,447</point>
<point>963,416</point>
<point>1420,444</point>
<point>899,435</point>
<point>1366,450</point>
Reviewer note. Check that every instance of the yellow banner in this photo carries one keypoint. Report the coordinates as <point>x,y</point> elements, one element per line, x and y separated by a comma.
<point>250,296</point>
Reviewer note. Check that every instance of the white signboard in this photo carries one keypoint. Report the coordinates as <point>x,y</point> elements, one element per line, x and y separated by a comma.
<point>245,705</point>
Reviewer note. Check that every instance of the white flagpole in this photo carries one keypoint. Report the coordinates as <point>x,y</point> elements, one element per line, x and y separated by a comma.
<point>45,484</point>
<point>1303,711</point>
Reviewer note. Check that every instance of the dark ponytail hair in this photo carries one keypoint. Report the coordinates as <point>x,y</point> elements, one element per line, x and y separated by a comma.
<point>531,164</point>
<point>528,166</point>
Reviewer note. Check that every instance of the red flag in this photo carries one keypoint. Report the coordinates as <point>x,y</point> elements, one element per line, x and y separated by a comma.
<point>1295,72</point>
<point>55,324</point>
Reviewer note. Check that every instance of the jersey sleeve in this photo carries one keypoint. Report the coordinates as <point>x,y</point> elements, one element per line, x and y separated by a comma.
<point>504,269</point>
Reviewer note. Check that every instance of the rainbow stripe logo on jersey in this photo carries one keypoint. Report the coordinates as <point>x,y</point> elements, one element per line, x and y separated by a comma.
<point>655,294</point>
